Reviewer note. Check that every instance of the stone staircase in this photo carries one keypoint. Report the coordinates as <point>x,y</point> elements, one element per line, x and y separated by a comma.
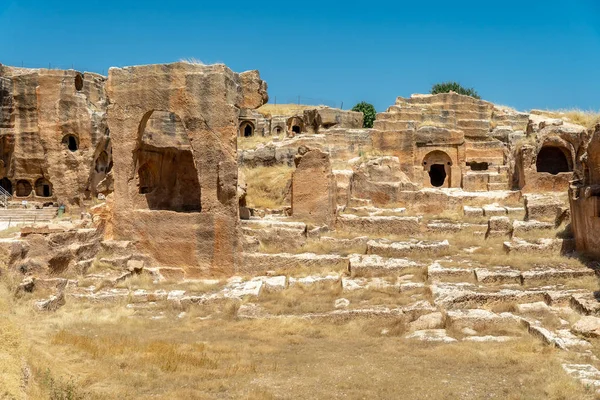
<point>442,279</point>
<point>17,216</point>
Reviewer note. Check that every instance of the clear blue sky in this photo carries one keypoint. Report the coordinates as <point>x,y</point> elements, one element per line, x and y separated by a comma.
<point>526,54</point>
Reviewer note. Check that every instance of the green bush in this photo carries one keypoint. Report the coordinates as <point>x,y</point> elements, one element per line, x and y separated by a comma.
<point>368,113</point>
<point>446,87</point>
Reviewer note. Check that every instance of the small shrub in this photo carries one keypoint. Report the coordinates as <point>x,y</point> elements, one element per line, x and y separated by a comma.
<point>446,87</point>
<point>62,390</point>
<point>368,113</point>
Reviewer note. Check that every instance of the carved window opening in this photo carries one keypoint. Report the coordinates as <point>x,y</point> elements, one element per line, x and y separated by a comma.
<point>71,142</point>
<point>553,160</point>
<point>295,125</point>
<point>43,188</point>
<point>79,82</point>
<point>437,175</point>
<point>246,129</point>
<point>166,170</point>
<point>478,166</point>
<point>23,188</point>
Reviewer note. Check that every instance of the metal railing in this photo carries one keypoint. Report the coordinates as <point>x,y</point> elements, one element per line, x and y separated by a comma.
<point>5,196</point>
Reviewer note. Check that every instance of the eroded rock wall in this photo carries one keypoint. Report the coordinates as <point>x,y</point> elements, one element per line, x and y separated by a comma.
<point>584,197</point>
<point>174,130</point>
<point>469,134</point>
<point>52,130</point>
<point>314,189</point>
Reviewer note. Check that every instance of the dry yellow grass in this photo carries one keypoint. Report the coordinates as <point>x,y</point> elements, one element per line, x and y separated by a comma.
<point>284,109</point>
<point>267,186</point>
<point>580,117</point>
<point>249,143</point>
<point>11,351</point>
<point>315,245</point>
<point>100,353</point>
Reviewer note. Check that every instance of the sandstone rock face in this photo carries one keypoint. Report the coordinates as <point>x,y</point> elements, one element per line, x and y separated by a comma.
<point>289,122</point>
<point>584,197</point>
<point>379,179</point>
<point>547,164</point>
<point>175,172</point>
<point>313,189</point>
<point>55,142</point>
<point>588,326</point>
<point>449,140</point>
<point>254,90</point>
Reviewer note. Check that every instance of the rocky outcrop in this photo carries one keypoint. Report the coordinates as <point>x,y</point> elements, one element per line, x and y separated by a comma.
<point>584,197</point>
<point>176,193</point>
<point>313,188</point>
<point>547,159</point>
<point>54,138</point>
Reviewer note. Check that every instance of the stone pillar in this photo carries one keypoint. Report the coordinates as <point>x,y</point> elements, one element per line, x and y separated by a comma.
<point>313,188</point>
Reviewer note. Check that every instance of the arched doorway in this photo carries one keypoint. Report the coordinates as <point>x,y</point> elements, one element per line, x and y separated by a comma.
<point>246,129</point>
<point>295,126</point>
<point>43,188</point>
<point>165,169</point>
<point>78,82</point>
<point>438,166</point>
<point>71,142</point>
<point>23,188</point>
<point>553,160</point>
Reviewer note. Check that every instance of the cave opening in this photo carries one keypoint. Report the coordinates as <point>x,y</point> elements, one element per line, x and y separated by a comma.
<point>437,175</point>
<point>553,160</point>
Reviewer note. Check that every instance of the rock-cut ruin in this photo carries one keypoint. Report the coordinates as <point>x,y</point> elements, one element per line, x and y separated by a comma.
<point>147,163</point>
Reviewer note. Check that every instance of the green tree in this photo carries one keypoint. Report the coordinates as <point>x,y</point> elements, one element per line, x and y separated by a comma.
<point>446,87</point>
<point>368,113</point>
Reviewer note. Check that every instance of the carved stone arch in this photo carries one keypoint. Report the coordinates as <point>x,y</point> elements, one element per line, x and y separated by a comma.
<point>438,165</point>
<point>555,156</point>
<point>164,165</point>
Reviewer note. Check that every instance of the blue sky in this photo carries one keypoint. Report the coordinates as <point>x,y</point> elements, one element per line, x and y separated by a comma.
<point>526,54</point>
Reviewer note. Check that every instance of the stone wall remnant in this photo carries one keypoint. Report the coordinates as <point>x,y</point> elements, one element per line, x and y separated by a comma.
<point>584,197</point>
<point>174,129</point>
<point>313,188</point>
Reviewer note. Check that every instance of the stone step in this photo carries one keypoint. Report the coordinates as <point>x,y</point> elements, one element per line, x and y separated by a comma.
<point>393,125</point>
<point>497,178</point>
<point>586,303</point>
<point>388,248</point>
<point>392,225</point>
<point>372,264</point>
<point>360,202</point>
<point>497,186</point>
<point>441,226</point>
<point>542,246</point>
<point>537,275</point>
<point>253,263</point>
<point>375,211</point>
<point>481,124</point>
<point>476,133</point>
<point>436,272</point>
<point>498,275</point>
<point>468,295</point>
<point>587,374</point>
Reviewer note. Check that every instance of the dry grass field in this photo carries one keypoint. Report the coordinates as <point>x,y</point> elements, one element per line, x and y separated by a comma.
<point>111,351</point>
<point>267,186</point>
